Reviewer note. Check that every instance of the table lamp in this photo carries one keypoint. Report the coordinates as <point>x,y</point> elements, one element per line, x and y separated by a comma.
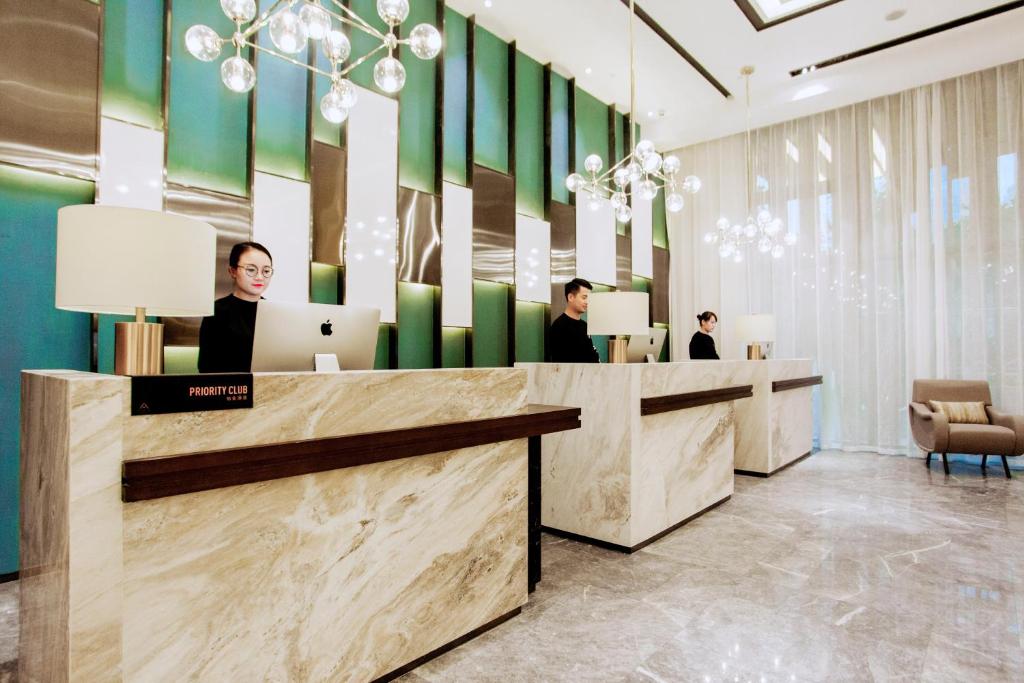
<point>618,313</point>
<point>756,330</point>
<point>112,259</point>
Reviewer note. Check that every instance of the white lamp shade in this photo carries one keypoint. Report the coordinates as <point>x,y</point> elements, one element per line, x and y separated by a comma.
<point>756,328</point>
<point>618,313</point>
<point>113,259</point>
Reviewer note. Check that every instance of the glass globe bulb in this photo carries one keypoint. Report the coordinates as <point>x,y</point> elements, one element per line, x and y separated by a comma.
<point>389,75</point>
<point>674,202</point>
<point>725,249</point>
<point>778,251</point>
<point>239,10</point>
<point>737,230</point>
<point>393,12</point>
<point>332,106</point>
<point>790,238</point>
<point>750,230</point>
<point>623,214</point>
<point>336,46</point>
<point>709,238</point>
<point>764,217</point>
<point>691,184</point>
<point>764,245</point>
<point>737,257</point>
<point>670,164</point>
<point>621,177</point>
<point>635,172</point>
<point>652,162</point>
<point>593,163</point>
<point>203,43</point>
<point>237,74</point>
<point>648,190</point>
<point>288,32</point>
<point>425,41</point>
<point>618,199</point>
<point>774,227</point>
<point>643,148</point>
<point>316,20</point>
<point>723,223</point>
<point>574,182</point>
<point>594,202</point>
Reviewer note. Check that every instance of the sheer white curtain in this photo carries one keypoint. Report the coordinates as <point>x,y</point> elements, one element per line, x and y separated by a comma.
<point>910,225</point>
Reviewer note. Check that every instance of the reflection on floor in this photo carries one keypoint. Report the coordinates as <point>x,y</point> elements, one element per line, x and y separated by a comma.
<point>844,567</point>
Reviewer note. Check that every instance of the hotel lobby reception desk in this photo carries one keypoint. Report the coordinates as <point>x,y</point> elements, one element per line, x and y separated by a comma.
<point>321,535</point>
<point>659,443</point>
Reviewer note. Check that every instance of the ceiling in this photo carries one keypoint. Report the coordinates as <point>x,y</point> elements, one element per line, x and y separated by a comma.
<point>588,40</point>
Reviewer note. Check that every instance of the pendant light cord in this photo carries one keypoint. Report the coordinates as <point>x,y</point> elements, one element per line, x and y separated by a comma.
<point>632,80</point>
<point>749,155</point>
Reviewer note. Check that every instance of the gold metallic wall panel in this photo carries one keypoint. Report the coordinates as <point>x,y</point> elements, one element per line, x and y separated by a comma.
<point>232,217</point>
<point>623,263</point>
<point>659,286</point>
<point>49,85</point>
<point>419,237</point>
<point>563,253</point>
<point>494,226</point>
<point>328,181</point>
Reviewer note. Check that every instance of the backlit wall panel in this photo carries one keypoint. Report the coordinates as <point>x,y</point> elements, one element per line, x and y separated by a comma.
<point>280,222</point>
<point>372,211</point>
<point>595,242</point>
<point>641,234</point>
<point>456,256</point>
<point>131,169</point>
<point>533,260</point>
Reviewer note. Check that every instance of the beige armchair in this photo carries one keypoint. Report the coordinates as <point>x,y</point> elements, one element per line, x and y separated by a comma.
<point>1003,436</point>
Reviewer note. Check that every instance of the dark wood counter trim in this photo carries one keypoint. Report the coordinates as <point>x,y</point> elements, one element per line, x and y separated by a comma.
<point>670,402</point>
<point>172,475</point>
<point>799,383</point>
<point>765,475</point>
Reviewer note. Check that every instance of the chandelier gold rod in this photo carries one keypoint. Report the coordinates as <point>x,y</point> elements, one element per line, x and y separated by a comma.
<point>749,159</point>
<point>356,20</point>
<point>632,80</point>
<point>262,20</point>
<point>348,69</point>
<point>290,60</point>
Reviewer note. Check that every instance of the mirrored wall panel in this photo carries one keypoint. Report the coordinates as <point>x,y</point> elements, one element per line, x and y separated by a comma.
<point>456,256</point>
<point>533,260</point>
<point>327,173</point>
<point>623,263</point>
<point>595,242</point>
<point>280,222</point>
<point>494,226</point>
<point>563,253</point>
<point>131,169</point>
<point>419,237</point>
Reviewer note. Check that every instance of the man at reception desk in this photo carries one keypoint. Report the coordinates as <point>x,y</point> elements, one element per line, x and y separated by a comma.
<point>568,341</point>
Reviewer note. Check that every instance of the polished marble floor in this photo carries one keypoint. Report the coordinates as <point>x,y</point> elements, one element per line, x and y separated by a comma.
<point>845,567</point>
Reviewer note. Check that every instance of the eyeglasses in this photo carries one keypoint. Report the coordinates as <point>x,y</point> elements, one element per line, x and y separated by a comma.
<point>253,271</point>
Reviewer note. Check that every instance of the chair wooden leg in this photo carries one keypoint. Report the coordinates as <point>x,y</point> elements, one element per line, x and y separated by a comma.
<point>984,459</point>
<point>928,460</point>
<point>945,464</point>
<point>1006,468</point>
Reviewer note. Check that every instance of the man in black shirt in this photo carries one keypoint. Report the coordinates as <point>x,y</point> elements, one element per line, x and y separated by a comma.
<point>567,339</point>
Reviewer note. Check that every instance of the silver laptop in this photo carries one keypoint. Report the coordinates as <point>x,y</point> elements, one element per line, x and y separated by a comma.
<point>289,335</point>
<point>642,344</point>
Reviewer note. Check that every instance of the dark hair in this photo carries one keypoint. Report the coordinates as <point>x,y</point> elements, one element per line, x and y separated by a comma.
<point>575,285</point>
<point>706,316</point>
<point>242,247</point>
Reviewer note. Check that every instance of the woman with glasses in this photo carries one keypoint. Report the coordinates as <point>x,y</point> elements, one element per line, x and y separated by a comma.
<point>225,338</point>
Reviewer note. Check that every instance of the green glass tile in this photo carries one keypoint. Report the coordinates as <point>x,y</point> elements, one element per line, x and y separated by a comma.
<point>33,334</point>
<point>324,281</point>
<point>531,328</point>
<point>208,125</point>
<point>666,350</point>
<point>415,325</point>
<point>456,96</point>
<point>620,151</point>
<point>600,341</point>
<point>559,98</point>
<point>181,360</point>
<point>660,228</point>
<point>417,110</point>
<point>133,61</point>
<point>641,284</point>
<point>490,99</point>
<point>323,130</point>
<point>490,324</point>
<point>529,136</point>
<point>363,43</point>
<point>591,128</point>
<point>281,111</point>
<point>453,347</point>
<point>382,361</point>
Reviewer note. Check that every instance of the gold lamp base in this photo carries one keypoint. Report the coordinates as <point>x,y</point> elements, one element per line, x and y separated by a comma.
<point>138,348</point>
<point>617,350</point>
<point>755,352</point>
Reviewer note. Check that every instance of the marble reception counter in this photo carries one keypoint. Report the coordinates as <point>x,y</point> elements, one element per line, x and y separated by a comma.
<point>345,527</point>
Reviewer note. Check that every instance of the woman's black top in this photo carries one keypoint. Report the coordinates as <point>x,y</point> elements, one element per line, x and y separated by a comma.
<point>225,338</point>
<point>702,347</point>
<point>568,342</point>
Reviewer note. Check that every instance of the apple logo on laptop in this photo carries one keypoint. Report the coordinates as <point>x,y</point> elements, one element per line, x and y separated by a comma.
<point>325,329</point>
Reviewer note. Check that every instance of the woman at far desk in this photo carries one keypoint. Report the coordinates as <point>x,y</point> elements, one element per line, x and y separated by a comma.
<point>702,345</point>
<point>225,338</point>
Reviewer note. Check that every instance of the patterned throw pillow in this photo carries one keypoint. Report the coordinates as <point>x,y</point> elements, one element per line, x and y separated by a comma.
<point>967,412</point>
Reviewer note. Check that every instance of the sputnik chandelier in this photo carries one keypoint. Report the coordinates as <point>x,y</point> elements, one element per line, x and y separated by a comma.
<point>761,228</point>
<point>641,172</point>
<point>290,31</point>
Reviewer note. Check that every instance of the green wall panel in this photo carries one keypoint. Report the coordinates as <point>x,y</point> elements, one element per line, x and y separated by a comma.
<point>490,324</point>
<point>490,99</point>
<point>666,350</point>
<point>133,61</point>
<point>600,341</point>
<point>325,283</point>
<point>620,133</point>
<point>181,360</point>
<point>282,92</point>
<point>382,361</point>
<point>33,334</point>
<point>660,232</point>
<point>529,136</point>
<point>323,130</point>
<point>531,327</point>
<point>453,347</point>
<point>641,284</point>
<point>208,125</point>
<point>417,111</point>
<point>456,96</point>
<point>415,325</point>
<point>363,42</point>
<point>560,153</point>
<point>591,129</point>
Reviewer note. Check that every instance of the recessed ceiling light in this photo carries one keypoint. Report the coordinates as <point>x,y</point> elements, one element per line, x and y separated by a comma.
<point>895,14</point>
<point>488,3</point>
<point>588,70</point>
<point>810,91</point>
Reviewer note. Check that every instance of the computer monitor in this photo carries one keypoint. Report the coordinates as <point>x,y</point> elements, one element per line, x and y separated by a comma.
<point>288,335</point>
<point>642,344</point>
